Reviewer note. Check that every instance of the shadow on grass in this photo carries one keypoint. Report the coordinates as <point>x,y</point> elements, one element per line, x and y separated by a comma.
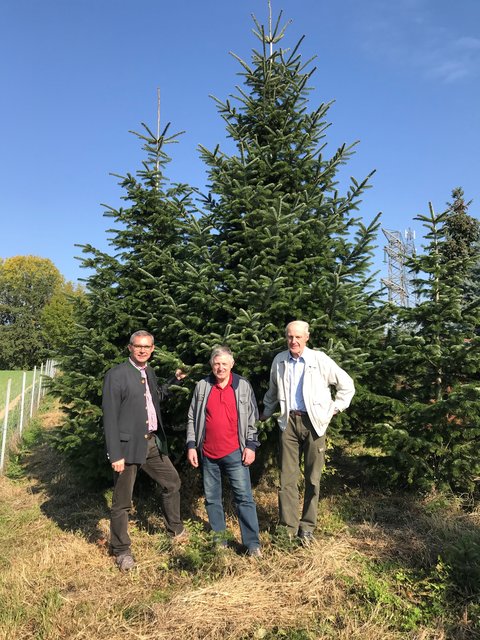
<point>66,501</point>
<point>77,508</point>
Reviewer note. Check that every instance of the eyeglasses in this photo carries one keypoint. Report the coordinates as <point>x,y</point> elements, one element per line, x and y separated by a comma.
<point>139,347</point>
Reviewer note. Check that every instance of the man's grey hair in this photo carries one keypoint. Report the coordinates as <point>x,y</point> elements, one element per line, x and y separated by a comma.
<point>303,325</point>
<point>141,334</point>
<point>220,350</point>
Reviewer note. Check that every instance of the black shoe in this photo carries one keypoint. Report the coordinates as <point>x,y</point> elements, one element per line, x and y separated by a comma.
<point>306,537</point>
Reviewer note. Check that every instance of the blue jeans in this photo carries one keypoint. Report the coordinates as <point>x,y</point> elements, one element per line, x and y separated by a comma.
<point>239,478</point>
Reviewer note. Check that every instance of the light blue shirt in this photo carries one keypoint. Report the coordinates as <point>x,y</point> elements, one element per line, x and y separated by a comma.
<point>296,370</point>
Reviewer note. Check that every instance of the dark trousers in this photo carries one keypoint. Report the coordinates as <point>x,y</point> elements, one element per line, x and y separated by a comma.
<point>300,440</point>
<point>160,468</point>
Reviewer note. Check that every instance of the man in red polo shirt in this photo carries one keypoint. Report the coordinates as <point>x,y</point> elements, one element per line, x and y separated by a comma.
<point>221,434</point>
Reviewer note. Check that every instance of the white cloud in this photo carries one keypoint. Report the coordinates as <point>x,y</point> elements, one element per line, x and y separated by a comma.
<point>411,34</point>
<point>449,71</point>
<point>454,59</point>
<point>467,42</point>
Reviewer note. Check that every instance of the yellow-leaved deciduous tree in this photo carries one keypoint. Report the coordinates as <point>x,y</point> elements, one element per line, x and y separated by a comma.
<point>27,285</point>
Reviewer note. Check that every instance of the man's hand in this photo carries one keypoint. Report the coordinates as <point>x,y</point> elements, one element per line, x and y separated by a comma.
<point>119,465</point>
<point>192,457</point>
<point>248,456</point>
<point>180,374</point>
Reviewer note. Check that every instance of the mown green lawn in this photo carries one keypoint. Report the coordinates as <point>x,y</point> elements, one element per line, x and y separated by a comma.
<point>16,386</point>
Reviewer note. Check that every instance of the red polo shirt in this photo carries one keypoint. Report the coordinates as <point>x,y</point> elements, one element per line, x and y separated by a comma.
<point>221,426</point>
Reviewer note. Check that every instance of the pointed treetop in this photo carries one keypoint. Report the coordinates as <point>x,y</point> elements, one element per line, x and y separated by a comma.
<point>274,35</point>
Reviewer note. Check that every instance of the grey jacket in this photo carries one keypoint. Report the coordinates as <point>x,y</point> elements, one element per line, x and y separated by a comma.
<point>246,408</point>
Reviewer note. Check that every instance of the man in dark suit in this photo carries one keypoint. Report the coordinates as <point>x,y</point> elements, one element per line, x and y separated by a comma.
<point>136,439</point>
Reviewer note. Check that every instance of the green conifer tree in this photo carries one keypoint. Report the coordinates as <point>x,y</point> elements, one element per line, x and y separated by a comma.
<point>462,241</point>
<point>119,296</point>
<point>432,360</point>
<point>285,243</point>
<point>462,232</point>
<point>274,241</point>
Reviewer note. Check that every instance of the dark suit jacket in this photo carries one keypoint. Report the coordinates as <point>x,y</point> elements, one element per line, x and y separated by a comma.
<point>125,419</point>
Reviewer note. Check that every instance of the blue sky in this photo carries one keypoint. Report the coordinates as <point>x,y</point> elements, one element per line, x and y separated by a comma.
<point>78,75</point>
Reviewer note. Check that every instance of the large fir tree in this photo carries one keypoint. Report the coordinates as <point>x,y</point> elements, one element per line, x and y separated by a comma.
<point>282,243</point>
<point>431,364</point>
<point>286,243</point>
<point>149,239</point>
<point>272,240</point>
<point>462,243</point>
<point>462,232</point>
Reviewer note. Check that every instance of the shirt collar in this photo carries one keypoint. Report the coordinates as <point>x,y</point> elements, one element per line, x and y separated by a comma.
<point>305,357</point>
<point>229,383</point>
<point>299,359</point>
<point>136,365</point>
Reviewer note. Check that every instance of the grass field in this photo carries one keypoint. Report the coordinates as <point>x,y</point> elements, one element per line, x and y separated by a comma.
<point>383,566</point>
<point>16,386</point>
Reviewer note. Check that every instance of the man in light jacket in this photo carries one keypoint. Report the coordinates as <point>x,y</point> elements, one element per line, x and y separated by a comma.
<point>300,382</point>
<point>222,437</point>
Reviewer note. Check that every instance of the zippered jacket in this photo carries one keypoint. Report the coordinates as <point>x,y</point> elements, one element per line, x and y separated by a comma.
<point>246,408</point>
<point>321,373</point>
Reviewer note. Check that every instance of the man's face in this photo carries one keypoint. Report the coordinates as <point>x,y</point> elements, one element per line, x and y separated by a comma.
<point>141,350</point>
<point>221,367</point>
<point>296,339</point>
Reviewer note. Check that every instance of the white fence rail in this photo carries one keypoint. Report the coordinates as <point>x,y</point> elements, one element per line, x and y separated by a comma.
<point>19,410</point>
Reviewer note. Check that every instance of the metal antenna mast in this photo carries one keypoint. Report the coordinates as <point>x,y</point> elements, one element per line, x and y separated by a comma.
<point>397,251</point>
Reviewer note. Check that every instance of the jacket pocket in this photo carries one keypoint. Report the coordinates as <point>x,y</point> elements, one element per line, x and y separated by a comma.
<point>243,404</point>
<point>124,437</point>
<point>323,411</point>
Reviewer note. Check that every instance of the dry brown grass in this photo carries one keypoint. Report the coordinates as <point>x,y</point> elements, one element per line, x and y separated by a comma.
<point>285,590</point>
<point>57,580</point>
<point>63,587</point>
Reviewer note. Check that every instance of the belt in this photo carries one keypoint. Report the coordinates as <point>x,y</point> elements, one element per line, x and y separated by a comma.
<point>150,435</point>
<point>295,412</point>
